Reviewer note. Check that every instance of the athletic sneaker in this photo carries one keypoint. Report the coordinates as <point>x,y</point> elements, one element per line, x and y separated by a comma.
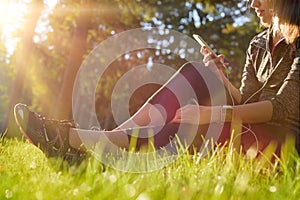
<point>51,136</point>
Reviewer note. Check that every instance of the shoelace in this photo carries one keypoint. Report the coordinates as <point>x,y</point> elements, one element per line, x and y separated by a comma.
<point>58,126</point>
<point>58,138</point>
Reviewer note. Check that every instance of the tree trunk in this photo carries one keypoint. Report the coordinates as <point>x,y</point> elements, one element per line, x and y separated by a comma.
<point>63,107</point>
<point>22,56</point>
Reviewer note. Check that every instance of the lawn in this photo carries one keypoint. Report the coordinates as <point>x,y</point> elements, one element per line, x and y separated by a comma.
<point>25,173</point>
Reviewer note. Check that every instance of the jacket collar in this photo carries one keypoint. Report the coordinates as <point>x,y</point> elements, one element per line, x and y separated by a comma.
<point>262,39</point>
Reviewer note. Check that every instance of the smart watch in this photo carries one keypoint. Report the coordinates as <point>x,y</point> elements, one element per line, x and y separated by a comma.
<point>226,113</point>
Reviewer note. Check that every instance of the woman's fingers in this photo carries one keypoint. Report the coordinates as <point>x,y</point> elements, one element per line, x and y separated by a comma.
<point>204,50</point>
<point>187,114</point>
<point>208,57</point>
<point>177,117</point>
<point>218,61</point>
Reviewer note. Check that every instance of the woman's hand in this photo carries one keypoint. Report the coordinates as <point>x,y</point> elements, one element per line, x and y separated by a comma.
<point>192,114</point>
<point>215,64</point>
<point>210,59</point>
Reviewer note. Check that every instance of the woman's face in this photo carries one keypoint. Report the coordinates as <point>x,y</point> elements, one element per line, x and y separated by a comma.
<point>264,11</point>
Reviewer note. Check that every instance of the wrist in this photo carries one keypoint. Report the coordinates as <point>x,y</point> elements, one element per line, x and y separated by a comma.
<point>226,113</point>
<point>221,114</point>
<point>224,78</point>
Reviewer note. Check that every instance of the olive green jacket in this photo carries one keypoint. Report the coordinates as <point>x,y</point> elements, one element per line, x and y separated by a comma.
<point>271,73</point>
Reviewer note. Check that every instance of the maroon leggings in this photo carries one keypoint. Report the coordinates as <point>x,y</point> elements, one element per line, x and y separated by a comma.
<point>194,83</point>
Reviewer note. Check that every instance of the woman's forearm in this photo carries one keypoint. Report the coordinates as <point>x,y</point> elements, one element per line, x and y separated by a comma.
<point>254,112</point>
<point>231,89</point>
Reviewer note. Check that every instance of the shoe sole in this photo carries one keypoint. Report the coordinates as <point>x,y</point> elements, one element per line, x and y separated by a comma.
<point>19,124</point>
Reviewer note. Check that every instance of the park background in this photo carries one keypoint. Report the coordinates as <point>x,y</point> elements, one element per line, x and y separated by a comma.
<point>43,44</point>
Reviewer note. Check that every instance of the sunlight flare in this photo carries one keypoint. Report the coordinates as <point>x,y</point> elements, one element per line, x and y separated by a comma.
<point>11,12</point>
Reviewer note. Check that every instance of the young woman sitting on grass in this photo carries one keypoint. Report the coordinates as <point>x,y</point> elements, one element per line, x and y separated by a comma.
<point>287,22</point>
<point>267,103</point>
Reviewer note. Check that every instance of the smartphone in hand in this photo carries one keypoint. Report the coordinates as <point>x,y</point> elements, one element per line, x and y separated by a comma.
<point>202,42</point>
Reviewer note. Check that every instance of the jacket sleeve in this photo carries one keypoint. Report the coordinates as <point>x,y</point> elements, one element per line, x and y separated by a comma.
<point>286,101</point>
<point>249,82</point>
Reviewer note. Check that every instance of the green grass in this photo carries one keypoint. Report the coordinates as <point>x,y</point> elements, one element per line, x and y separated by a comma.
<point>25,173</point>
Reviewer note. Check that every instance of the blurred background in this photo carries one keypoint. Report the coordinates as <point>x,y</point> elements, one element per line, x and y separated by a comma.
<point>43,44</point>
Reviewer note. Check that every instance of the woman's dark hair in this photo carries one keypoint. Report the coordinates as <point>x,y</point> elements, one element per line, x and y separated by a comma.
<point>288,18</point>
<point>288,11</point>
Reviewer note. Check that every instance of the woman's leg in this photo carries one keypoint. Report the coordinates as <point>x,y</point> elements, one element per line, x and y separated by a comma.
<point>158,136</point>
<point>256,140</point>
<point>79,138</point>
<point>260,137</point>
<point>186,86</point>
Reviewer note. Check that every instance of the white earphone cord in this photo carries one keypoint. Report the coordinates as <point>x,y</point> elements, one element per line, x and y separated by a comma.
<point>244,126</point>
